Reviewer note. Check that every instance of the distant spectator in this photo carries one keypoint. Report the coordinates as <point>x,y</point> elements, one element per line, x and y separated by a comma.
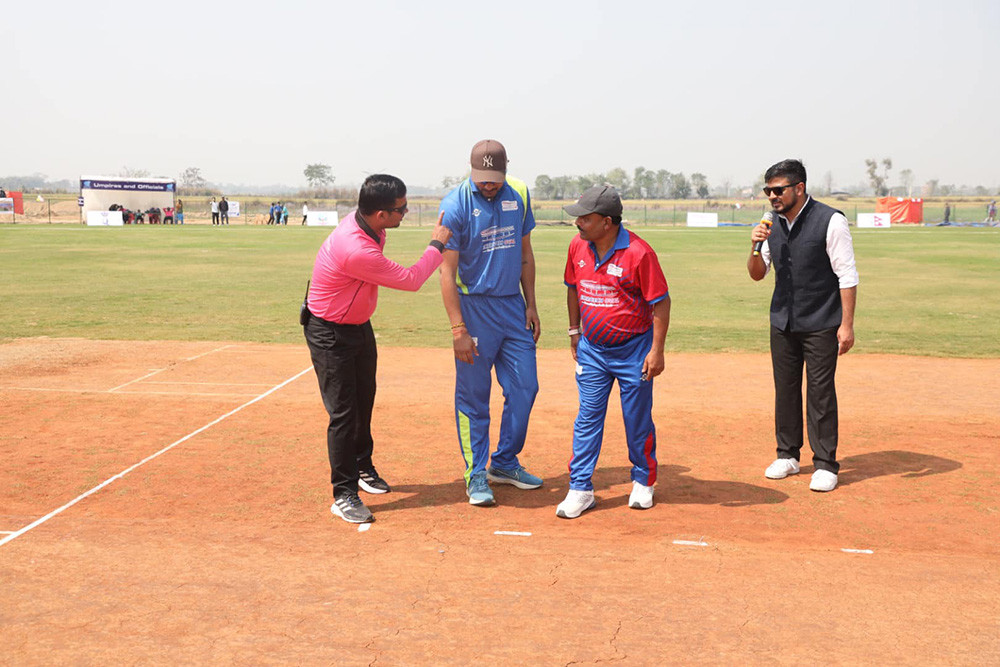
<point>3,193</point>
<point>305,212</point>
<point>270,217</point>
<point>947,212</point>
<point>168,215</point>
<point>215,211</point>
<point>284,214</point>
<point>224,211</point>
<point>991,211</point>
<point>179,212</point>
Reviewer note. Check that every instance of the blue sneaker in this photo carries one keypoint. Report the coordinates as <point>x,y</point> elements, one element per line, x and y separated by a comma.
<point>518,477</point>
<point>479,491</point>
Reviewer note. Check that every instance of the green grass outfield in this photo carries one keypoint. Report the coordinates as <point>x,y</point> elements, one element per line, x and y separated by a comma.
<point>924,291</point>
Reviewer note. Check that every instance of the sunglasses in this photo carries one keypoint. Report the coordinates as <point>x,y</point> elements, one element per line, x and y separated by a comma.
<point>779,190</point>
<point>401,209</point>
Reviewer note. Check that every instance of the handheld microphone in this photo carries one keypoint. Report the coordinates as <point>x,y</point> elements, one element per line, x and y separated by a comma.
<point>767,220</point>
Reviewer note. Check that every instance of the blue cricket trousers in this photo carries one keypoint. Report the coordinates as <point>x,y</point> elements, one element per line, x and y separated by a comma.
<point>597,369</point>
<point>497,326</point>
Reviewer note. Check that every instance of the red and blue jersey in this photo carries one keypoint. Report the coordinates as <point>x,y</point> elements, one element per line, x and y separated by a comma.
<point>616,292</point>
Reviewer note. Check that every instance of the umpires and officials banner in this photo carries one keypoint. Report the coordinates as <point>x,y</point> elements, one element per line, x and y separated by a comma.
<point>126,186</point>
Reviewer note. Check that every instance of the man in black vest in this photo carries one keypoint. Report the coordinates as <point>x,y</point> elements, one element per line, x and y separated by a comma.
<point>812,317</point>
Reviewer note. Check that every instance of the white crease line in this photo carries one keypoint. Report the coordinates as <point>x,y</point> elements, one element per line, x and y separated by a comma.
<point>140,392</point>
<point>691,543</point>
<point>199,356</point>
<point>38,522</point>
<point>158,370</point>
<point>63,391</point>
<point>363,527</point>
<point>217,384</point>
<point>857,551</point>
<point>511,532</point>
<point>6,532</point>
<point>129,393</point>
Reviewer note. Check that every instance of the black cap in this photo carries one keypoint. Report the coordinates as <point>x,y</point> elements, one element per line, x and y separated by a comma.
<point>601,199</point>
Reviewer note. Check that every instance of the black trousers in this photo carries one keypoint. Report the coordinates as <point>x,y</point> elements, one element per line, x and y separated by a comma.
<point>345,358</point>
<point>817,350</point>
<point>215,218</point>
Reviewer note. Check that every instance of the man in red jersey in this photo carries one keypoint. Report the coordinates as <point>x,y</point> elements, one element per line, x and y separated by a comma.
<point>619,312</point>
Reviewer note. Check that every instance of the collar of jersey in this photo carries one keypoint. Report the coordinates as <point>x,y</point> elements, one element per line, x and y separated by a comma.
<point>364,226</point>
<point>621,242</point>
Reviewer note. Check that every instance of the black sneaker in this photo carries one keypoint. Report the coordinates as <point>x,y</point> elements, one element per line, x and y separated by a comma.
<point>350,508</point>
<point>370,481</point>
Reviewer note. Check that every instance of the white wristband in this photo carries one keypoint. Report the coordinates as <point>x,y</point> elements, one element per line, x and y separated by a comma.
<point>573,331</point>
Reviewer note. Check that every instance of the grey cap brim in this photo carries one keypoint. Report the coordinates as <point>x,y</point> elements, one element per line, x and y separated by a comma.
<point>576,210</point>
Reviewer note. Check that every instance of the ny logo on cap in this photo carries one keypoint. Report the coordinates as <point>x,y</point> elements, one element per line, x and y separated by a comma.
<point>487,162</point>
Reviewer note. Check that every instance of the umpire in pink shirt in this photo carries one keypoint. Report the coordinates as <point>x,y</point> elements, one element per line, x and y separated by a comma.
<point>342,296</point>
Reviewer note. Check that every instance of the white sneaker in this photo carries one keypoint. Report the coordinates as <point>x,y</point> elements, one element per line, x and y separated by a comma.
<point>823,480</point>
<point>576,503</point>
<point>782,468</point>
<point>641,497</point>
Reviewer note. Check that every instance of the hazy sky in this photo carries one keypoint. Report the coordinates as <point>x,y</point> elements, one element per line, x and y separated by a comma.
<point>253,94</point>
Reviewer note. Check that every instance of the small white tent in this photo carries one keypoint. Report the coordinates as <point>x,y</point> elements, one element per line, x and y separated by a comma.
<point>137,194</point>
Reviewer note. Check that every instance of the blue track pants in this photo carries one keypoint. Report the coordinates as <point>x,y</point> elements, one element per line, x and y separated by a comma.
<point>597,369</point>
<point>497,326</point>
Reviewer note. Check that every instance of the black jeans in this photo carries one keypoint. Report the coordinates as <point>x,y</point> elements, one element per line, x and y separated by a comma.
<point>817,350</point>
<point>345,358</point>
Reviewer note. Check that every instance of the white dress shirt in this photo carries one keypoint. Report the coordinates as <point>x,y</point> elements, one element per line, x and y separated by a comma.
<point>839,248</point>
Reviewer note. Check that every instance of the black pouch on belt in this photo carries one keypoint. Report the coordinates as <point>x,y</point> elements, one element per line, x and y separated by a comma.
<point>304,312</point>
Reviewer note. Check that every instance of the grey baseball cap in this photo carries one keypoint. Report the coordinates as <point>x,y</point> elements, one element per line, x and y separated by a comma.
<point>601,199</point>
<point>489,162</point>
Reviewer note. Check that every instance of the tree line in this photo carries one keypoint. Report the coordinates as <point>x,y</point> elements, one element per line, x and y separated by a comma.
<point>642,183</point>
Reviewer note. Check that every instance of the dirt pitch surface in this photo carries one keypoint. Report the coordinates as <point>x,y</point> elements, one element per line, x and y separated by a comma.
<point>222,548</point>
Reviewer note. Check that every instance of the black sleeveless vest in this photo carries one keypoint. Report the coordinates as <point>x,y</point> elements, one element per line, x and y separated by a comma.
<point>806,290</point>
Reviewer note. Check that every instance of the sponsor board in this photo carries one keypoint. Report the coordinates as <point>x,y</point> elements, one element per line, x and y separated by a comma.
<point>697,219</point>
<point>322,219</point>
<point>875,220</point>
<point>105,219</point>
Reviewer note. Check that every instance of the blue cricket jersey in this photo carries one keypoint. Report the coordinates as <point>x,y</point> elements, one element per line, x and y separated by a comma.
<point>487,235</point>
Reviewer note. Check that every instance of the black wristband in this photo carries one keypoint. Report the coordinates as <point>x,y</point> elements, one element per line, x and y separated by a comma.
<point>437,244</point>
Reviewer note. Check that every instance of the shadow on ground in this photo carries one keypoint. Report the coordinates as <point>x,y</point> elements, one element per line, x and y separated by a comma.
<point>674,487</point>
<point>908,465</point>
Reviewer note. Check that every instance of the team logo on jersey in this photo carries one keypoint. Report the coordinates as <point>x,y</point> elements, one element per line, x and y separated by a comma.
<point>487,162</point>
<point>475,212</point>
<point>615,270</point>
<point>581,263</point>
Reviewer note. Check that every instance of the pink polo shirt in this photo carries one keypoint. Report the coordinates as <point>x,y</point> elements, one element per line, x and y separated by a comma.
<point>350,267</point>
